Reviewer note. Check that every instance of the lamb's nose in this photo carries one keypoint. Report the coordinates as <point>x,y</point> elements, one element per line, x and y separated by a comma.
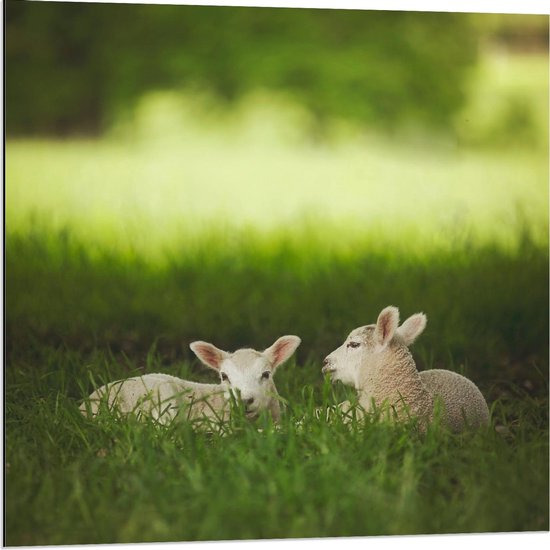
<point>249,401</point>
<point>326,365</point>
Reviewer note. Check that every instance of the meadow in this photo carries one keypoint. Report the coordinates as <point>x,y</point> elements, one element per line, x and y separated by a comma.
<point>122,251</point>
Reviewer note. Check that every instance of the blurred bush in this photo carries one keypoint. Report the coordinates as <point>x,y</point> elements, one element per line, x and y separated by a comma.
<point>522,33</point>
<point>77,67</point>
<point>508,101</point>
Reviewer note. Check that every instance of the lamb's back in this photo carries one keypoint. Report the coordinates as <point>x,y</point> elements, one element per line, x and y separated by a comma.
<point>461,398</point>
<point>160,395</point>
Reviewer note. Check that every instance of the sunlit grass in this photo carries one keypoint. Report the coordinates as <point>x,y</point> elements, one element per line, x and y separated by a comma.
<point>181,168</point>
<point>130,194</point>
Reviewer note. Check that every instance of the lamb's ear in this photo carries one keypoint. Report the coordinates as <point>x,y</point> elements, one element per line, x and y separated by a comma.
<point>386,326</point>
<point>282,349</point>
<point>209,354</point>
<point>412,328</point>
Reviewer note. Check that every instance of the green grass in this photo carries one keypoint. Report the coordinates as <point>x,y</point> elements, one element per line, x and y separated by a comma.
<point>149,197</point>
<point>119,253</point>
<point>76,319</point>
<point>70,480</point>
<point>485,304</point>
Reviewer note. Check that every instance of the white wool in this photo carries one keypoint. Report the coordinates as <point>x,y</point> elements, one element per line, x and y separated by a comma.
<point>246,375</point>
<point>375,359</point>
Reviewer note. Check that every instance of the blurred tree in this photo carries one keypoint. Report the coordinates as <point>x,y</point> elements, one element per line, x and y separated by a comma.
<point>72,68</point>
<point>523,33</point>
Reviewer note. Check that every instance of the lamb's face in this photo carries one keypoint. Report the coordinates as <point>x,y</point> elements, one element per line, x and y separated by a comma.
<point>247,375</point>
<point>343,363</point>
<point>363,343</point>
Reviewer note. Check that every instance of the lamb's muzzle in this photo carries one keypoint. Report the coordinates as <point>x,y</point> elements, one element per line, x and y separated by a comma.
<point>327,366</point>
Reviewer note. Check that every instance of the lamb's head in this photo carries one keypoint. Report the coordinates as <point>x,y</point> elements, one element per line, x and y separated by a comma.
<point>247,374</point>
<point>363,344</point>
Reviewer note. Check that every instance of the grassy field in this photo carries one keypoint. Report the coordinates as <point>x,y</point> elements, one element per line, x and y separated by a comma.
<point>120,253</point>
<point>77,318</point>
<point>74,481</point>
<point>180,167</point>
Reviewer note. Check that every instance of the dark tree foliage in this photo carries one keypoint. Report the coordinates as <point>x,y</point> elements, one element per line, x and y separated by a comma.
<point>72,68</point>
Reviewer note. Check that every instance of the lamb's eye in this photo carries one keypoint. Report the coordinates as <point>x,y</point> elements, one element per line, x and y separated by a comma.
<point>225,378</point>
<point>353,344</point>
<point>265,375</point>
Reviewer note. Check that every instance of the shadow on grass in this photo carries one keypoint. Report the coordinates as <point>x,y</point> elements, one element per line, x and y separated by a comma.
<point>487,306</point>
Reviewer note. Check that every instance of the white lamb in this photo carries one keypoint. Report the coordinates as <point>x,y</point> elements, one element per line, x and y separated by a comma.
<point>246,374</point>
<point>375,360</point>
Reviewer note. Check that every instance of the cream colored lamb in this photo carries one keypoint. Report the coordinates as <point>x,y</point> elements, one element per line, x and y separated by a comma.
<point>246,374</point>
<point>375,359</point>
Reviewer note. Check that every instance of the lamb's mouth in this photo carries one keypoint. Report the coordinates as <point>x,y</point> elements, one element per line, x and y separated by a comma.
<point>328,370</point>
<point>251,415</point>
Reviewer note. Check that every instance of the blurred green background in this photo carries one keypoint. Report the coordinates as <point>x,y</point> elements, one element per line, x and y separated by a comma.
<point>232,145</point>
<point>176,173</point>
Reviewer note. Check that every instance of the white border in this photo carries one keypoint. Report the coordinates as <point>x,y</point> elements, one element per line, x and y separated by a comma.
<point>502,541</point>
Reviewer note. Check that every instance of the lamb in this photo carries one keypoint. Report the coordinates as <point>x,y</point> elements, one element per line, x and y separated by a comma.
<point>375,359</point>
<point>246,374</point>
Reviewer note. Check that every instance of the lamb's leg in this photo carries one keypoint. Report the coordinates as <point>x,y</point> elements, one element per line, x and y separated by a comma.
<point>345,406</point>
